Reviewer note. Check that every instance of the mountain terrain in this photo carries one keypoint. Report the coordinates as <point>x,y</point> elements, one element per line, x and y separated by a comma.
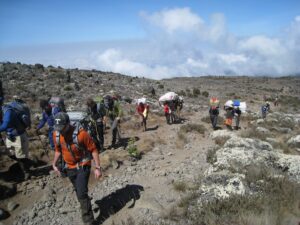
<point>187,173</point>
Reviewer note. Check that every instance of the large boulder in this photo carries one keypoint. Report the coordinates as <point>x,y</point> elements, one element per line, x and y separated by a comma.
<point>294,141</point>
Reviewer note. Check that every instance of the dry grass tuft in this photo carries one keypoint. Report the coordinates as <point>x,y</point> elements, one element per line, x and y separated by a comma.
<point>146,145</point>
<point>180,186</point>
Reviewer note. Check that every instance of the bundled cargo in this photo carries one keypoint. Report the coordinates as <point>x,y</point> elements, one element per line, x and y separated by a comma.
<point>169,96</point>
<point>228,104</point>
<point>236,103</point>
<point>141,100</point>
<point>214,102</point>
<point>243,107</point>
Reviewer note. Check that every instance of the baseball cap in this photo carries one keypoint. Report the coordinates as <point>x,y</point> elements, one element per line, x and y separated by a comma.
<point>61,119</point>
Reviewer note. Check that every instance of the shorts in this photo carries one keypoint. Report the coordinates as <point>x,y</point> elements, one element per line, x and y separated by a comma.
<point>20,146</point>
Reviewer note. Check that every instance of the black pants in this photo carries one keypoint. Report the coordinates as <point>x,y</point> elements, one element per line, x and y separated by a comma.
<point>168,118</point>
<point>100,137</point>
<point>80,178</point>
<point>114,127</point>
<point>214,120</point>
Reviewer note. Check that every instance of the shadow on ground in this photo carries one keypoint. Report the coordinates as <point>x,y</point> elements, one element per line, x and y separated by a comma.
<point>114,202</point>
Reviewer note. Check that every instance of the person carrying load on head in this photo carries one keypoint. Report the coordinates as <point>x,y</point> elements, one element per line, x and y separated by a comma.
<point>167,113</point>
<point>229,114</point>
<point>114,113</point>
<point>178,107</point>
<point>236,113</point>
<point>214,111</point>
<point>77,149</point>
<point>96,112</point>
<point>47,117</point>
<point>265,108</point>
<point>143,110</point>
<point>16,119</point>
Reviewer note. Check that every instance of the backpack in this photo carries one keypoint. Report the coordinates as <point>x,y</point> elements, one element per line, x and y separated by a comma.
<point>57,104</point>
<point>108,102</point>
<point>22,111</point>
<point>78,120</point>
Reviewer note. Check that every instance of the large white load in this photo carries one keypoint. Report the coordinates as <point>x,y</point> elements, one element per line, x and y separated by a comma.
<point>228,104</point>
<point>169,96</point>
<point>243,107</point>
<point>142,100</point>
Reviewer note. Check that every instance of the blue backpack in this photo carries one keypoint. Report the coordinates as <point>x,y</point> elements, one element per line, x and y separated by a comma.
<point>22,111</point>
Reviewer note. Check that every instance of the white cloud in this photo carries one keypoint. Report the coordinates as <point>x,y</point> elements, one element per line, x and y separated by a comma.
<point>231,58</point>
<point>262,45</point>
<point>178,19</point>
<point>181,43</point>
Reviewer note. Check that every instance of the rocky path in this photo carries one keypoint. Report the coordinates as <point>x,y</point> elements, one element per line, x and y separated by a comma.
<point>135,191</point>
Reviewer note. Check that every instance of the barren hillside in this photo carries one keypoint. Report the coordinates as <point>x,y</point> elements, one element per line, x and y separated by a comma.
<point>187,174</point>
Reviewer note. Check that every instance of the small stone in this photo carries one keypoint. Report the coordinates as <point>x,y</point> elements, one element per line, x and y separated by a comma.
<point>115,164</point>
<point>12,206</point>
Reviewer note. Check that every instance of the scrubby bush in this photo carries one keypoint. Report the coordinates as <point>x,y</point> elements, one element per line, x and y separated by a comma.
<point>205,94</point>
<point>161,86</point>
<point>192,127</point>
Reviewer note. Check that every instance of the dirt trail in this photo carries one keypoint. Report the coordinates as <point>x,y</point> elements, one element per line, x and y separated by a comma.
<point>166,161</point>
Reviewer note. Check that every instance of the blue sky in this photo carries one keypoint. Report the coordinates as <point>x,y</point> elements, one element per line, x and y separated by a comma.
<point>154,38</point>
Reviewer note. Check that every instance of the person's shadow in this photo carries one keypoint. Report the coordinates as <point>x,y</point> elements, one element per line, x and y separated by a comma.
<point>152,128</point>
<point>114,202</point>
<point>123,142</point>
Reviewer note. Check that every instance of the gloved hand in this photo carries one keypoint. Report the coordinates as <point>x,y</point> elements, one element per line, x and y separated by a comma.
<point>11,138</point>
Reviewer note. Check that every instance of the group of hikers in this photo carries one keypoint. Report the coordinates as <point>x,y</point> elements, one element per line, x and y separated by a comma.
<point>233,110</point>
<point>76,144</point>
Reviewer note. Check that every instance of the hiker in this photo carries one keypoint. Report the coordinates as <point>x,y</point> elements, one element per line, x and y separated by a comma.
<point>172,111</point>
<point>229,114</point>
<point>47,117</point>
<point>78,160</point>
<point>113,113</point>
<point>265,108</point>
<point>213,113</point>
<point>16,119</point>
<point>237,115</point>
<point>96,111</point>
<point>143,110</point>
<point>178,107</point>
<point>167,113</point>
<point>152,91</point>
<point>276,101</point>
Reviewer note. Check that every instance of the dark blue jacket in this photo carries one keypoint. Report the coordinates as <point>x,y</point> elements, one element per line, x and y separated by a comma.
<point>46,119</point>
<point>12,124</point>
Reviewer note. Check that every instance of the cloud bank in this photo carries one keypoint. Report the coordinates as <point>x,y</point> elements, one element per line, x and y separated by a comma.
<point>181,43</point>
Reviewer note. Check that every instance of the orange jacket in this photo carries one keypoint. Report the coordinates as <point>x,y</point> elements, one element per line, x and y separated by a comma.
<point>84,140</point>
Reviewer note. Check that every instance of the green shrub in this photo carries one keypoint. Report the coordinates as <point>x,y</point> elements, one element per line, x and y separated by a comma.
<point>161,86</point>
<point>196,92</point>
<point>182,93</point>
<point>211,155</point>
<point>205,94</point>
<point>132,149</point>
<point>68,88</point>
<point>180,186</point>
<point>192,127</point>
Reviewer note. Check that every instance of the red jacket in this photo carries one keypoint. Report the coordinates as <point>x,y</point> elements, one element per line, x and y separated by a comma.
<point>166,108</point>
<point>141,108</point>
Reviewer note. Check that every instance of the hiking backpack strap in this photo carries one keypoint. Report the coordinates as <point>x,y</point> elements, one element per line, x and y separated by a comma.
<point>86,155</point>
